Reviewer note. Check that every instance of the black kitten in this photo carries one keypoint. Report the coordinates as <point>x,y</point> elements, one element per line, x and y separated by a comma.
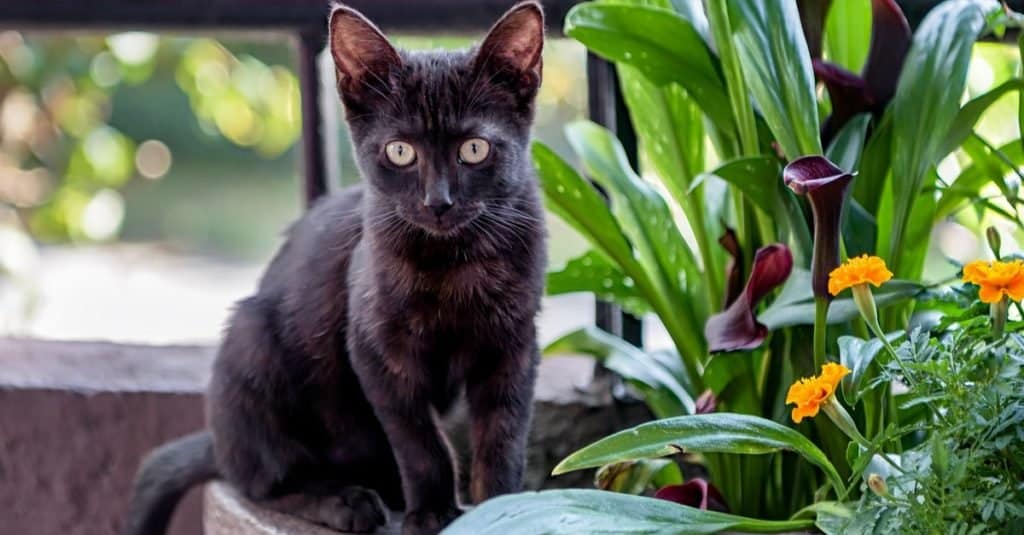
<point>387,301</point>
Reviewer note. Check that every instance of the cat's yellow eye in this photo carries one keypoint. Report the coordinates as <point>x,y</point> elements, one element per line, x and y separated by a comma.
<point>400,153</point>
<point>474,150</point>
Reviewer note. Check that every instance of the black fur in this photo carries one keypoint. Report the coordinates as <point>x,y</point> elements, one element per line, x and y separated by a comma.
<point>381,308</point>
<point>165,476</point>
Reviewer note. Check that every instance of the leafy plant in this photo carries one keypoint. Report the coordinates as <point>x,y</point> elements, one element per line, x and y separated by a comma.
<point>723,98</point>
<point>967,476</point>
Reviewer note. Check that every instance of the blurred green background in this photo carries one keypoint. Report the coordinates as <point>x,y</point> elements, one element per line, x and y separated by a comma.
<point>141,137</point>
<point>145,179</point>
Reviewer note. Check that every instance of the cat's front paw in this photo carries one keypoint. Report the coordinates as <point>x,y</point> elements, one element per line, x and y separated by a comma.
<point>353,510</point>
<point>424,522</point>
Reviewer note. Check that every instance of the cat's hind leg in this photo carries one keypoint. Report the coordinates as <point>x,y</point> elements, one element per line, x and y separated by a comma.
<point>260,439</point>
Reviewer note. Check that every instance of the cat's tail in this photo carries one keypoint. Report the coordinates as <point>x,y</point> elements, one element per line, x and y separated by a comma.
<point>165,475</point>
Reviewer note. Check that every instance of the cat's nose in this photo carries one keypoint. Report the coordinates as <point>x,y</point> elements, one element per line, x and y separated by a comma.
<point>437,198</point>
<point>438,201</point>
<point>438,206</point>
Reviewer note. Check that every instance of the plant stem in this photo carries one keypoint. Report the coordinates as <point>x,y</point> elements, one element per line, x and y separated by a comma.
<point>820,320</point>
<point>998,312</point>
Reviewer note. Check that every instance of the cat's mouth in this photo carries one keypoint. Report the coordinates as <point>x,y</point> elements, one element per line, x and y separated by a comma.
<point>447,225</point>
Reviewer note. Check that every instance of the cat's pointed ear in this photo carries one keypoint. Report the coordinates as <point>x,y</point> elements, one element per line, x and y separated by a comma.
<point>514,46</point>
<point>363,57</point>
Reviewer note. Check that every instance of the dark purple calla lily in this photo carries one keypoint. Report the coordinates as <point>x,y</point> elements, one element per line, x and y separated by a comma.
<point>695,493</point>
<point>812,20</point>
<point>734,268</point>
<point>736,328</point>
<point>873,89</point>
<point>825,186</point>
<point>706,403</point>
<point>890,42</point>
<point>848,92</point>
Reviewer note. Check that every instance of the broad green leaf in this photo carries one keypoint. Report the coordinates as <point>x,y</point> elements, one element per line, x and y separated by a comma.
<point>859,229</point>
<point>848,34</point>
<point>777,69</point>
<point>874,166</point>
<point>918,232</point>
<point>693,11</point>
<point>710,433</point>
<point>670,129</point>
<point>663,45</point>
<point>556,512</point>
<point>574,200</point>
<point>648,224</point>
<point>833,521</point>
<point>819,508</point>
<point>665,394</point>
<point>593,272</point>
<point>927,102</point>
<point>845,149</point>
<point>742,110</point>
<point>758,177</point>
<point>795,303</point>
<point>967,117</point>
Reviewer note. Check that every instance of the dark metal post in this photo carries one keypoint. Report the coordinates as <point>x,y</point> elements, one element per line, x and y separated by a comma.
<point>606,107</point>
<point>314,169</point>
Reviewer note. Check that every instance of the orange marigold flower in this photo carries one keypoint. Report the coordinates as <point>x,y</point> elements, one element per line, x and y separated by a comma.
<point>996,279</point>
<point>810,393</point>
<point>858,270</point>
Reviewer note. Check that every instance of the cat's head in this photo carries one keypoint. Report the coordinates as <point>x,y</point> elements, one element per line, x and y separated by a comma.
<point>440,136</point>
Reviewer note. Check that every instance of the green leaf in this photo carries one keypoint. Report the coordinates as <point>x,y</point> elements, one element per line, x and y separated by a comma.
<point>736,87</point>
<point>648,224</point>
<point>663,390</point>
<point>711,433</point>
<point>848,34</point>
<point>555,512</point>
<point>593,272</point>
<point>856,354</point>
<point>874,166</point>
<point>967,117</point>
<point>758,177</point>
<point>974,177</point>
<point>927,102</point>
<point>635,477</point>
<point>859,229</point>
<point>833,520</point>
<point>670,128</point>
<point>663,45</point>
<point>795,303</point>
<point>573,199</point>
<point>777,68</point>
<point>848,144</point>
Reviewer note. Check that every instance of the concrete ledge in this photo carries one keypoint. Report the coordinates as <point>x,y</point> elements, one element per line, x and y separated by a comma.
<point>77,417</point>
<point>225,512</point>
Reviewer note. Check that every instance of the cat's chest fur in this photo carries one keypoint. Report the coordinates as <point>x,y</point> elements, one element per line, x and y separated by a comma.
<point>439,315</point>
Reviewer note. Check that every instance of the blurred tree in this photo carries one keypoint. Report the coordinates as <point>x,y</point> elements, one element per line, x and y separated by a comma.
<point>63,165</point>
